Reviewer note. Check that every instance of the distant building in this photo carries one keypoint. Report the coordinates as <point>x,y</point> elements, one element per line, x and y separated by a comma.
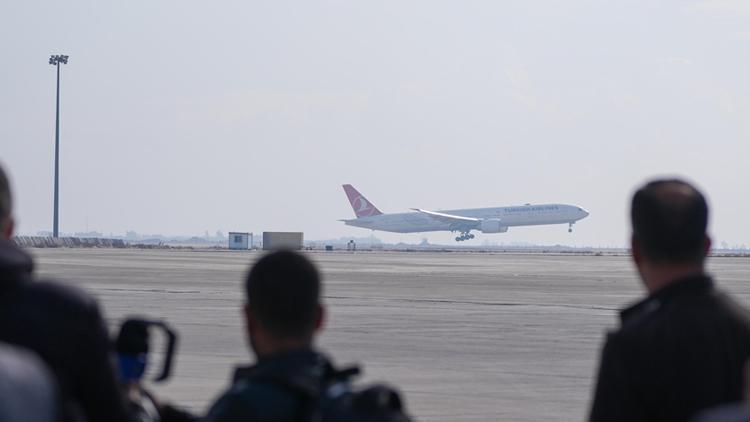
<point>239,241</point>
<point>282,240</point>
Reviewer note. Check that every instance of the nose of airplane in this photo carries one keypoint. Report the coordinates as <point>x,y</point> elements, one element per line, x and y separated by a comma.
<point>584,213</point>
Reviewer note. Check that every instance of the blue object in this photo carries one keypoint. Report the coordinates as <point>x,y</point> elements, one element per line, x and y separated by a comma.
<point>131,367</point>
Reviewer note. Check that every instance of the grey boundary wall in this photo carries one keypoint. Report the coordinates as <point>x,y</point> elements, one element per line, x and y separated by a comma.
<point>67,242</point>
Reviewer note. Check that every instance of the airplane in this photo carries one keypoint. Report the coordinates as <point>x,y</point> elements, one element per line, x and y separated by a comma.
<point>463,221</point>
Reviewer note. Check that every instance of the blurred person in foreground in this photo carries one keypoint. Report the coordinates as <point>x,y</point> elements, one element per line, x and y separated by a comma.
<point>62,325</point>
<point>291,381</point>
<point>28,391</point>
<point>683,347</point>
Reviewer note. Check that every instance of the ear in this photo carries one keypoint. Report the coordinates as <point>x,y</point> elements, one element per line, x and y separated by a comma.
<point>635,250</point>
<point>706,245</point>
<point>320,317</point>
<point>251,323</point>
<point>7,228</point>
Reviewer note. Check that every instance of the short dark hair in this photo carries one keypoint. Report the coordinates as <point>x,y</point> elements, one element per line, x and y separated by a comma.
<point>283,292</point>
<point>6,200</point>
<point>669,221</point>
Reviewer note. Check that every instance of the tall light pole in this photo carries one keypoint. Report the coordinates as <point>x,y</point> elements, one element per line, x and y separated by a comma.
<point>55,60</point>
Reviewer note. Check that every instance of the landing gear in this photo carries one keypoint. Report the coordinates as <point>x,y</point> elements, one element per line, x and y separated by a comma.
<point>570,227</point>
<point>464,236</point>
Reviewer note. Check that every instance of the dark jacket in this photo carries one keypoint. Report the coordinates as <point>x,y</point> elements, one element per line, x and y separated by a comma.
<point>263,392</point>
<point>677,352</point>
<point>303,386</point>
<point>64,327</point>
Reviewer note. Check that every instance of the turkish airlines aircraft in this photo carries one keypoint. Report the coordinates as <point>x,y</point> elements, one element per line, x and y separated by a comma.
<point>485,220</point>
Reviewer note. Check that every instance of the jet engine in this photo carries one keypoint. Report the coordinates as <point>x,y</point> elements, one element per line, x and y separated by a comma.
<point>493,225</point>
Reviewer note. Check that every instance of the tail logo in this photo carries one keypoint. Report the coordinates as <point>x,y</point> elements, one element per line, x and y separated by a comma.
<point>362,206</point>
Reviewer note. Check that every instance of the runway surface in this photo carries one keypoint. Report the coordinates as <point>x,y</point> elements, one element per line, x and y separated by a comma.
<point>465,336</point>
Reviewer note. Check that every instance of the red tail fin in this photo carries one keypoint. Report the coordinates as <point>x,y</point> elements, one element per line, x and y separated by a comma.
<point>362,207</point>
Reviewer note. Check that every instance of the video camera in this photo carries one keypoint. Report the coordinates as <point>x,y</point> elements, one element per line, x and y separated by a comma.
<point>132,346</point>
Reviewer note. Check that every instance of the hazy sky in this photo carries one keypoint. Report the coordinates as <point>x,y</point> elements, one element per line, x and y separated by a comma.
<point>185,116</point>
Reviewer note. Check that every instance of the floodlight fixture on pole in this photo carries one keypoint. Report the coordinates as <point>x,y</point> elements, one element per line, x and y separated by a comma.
<point>55,60</point>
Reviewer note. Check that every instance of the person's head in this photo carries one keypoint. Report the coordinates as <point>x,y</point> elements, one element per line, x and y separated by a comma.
<point>283,309</point>
<point>669,219</point>
<point>6,207</point>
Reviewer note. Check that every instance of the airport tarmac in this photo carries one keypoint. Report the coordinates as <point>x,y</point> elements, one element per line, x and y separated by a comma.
<point>465,336</point>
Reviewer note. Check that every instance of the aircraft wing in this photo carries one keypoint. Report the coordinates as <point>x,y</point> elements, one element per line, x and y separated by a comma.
<point>448,218</point>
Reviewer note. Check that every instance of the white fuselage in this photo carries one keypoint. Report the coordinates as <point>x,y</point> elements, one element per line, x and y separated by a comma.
<point>522,215</point>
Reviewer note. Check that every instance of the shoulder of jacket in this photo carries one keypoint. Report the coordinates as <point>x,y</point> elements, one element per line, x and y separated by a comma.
<point>247,400</point>
<point>59,294</point>
<point>258,393</point>
<point>634,319</point>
